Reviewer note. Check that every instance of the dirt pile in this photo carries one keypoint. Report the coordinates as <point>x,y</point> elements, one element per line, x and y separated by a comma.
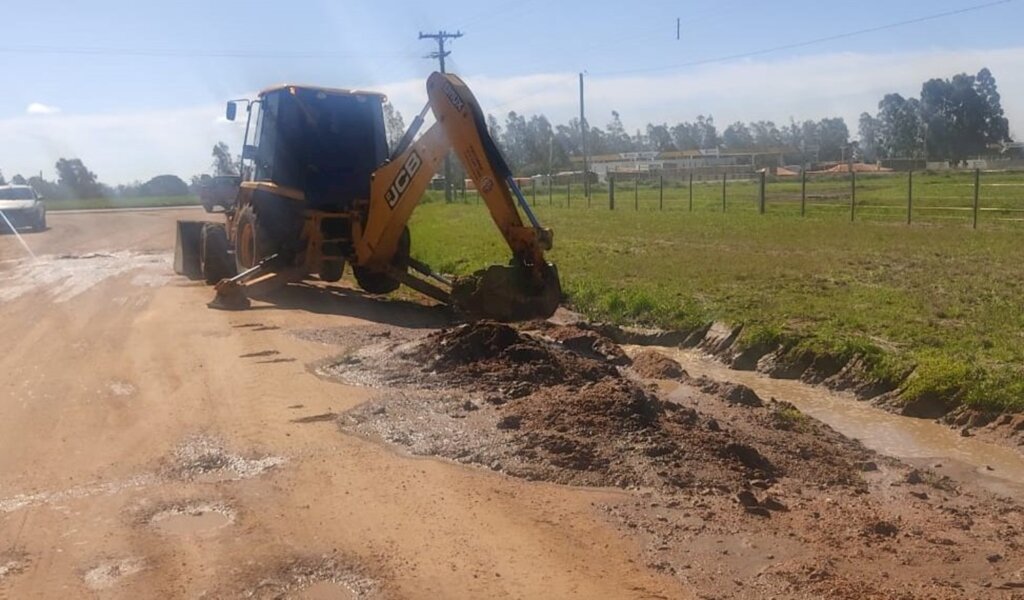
<point>585,342</point>
<point>655,365</point>
<point>489,355</point>
<point>527,405</point>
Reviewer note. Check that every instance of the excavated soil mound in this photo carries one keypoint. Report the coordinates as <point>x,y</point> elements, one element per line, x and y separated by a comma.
<point>585,342</point>
<point>520,403</point>
<point>655,365</point>
<point>488,355</point>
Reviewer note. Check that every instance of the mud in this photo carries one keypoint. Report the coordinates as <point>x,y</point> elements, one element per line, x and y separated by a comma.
<point>514,402</point>
<point>206,459</point>
<point>655,365</point>
<point>193,518</point>
<point>12,562</point>
<point>108,573</point>
<point>331,577</point>
<point>734,495</point>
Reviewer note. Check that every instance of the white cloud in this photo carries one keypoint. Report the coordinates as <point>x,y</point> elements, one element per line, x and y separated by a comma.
<point>38,108</point>
<point>138,145</point>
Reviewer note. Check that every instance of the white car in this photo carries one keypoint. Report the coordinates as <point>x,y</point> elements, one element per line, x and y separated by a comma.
<point>22,207</point>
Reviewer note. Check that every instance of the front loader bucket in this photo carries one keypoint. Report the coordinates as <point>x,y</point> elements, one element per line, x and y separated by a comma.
<point>508,294</point>
<point>186,249</point>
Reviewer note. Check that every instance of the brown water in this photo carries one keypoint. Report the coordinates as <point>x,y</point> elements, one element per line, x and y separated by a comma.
<point>921,442</point>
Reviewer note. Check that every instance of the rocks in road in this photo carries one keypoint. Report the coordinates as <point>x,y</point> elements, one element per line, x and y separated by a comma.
<point>882,529</point>
<point>733,393</point>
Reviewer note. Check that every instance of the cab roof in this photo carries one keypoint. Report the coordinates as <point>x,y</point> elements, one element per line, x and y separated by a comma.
<point>326,90</point>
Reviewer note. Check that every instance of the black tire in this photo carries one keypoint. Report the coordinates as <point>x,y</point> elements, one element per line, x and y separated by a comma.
<point>375,282</point>
<point>332,271</point>
<point>214,260</point>
<point>251,240</point>
<point>40,224</point>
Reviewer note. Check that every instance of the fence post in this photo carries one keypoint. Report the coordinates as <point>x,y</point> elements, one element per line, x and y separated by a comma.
<point>534,185</point>
<point>724,175</point>
<point>568,193</point>
<point>463,189</point>
<point>691,191</point>
<point>761,206</point>
<point>853,192</point>
<point>611,192</point>
<point>803,191</point>
<point>636,192</point>
<point>661,192</point>
<point>977,186</point>
<point>910,194</point>
<point>550,201</point>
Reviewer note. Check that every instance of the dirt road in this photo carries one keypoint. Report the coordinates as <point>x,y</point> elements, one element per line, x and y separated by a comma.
<point>332,445</point>
<point>153,448</point>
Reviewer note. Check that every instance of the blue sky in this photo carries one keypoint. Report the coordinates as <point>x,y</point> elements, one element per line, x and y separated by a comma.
<point>135,88</point>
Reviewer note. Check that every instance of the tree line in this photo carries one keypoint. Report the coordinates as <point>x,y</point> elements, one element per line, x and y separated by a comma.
<point>952,120</point>
<point>75,180</point>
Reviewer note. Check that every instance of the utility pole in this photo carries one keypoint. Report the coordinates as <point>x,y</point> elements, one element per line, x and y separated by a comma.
<point>583,134</point>
<point>441,37</point>
<point>677,28</point>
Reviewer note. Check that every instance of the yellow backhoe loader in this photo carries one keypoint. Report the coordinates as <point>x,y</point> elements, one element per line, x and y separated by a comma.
<point>321,191</point>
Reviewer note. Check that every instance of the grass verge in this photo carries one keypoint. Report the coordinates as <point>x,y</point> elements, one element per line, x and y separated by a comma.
<point>107,203</point>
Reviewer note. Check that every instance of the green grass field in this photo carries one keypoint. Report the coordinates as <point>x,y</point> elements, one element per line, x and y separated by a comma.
<point>935,297</point>
<point>106,203</point>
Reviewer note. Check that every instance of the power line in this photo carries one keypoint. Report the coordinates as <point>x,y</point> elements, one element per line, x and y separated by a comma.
<point>811,42</point>
<point>188,52</point>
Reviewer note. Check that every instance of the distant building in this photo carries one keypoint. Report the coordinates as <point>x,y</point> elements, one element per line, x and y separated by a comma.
<point>676,164</point>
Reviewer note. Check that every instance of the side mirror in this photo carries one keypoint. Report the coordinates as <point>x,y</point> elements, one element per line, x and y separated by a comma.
<point>248,152</point>
<point>232,109</point>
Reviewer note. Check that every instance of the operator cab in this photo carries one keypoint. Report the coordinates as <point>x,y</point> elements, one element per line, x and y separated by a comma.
<point>323,142</point>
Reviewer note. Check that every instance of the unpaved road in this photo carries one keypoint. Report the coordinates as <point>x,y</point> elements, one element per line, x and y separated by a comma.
<point>153,448</point>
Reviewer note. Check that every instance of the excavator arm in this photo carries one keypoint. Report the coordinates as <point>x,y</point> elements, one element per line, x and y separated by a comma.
<point>529,287</point>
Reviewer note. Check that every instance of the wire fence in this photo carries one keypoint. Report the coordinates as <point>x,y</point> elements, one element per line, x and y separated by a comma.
<point>973,197</point>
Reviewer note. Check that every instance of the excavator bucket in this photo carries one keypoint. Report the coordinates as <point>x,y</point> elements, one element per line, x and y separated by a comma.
<point>508,293</point>
<point>186,249</point>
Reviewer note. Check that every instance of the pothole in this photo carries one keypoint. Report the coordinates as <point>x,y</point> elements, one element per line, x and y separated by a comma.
<point>311,578</point>
<point>328,590</point>
<point>12,562</point>
<point>107,574</point>
<point>192,519</point>
<point>121,388</point>
<point>205,459</point>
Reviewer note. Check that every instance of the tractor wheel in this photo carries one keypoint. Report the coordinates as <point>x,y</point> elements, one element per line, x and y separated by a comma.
<point>375,282</point>
<point>331,271</point>
<point>214,260</point>
<point>251,240</point>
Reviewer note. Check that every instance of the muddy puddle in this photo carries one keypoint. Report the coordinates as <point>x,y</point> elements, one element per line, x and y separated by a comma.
<point>920,442</point>
<point>192,520</point>
<point>328,590</point>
